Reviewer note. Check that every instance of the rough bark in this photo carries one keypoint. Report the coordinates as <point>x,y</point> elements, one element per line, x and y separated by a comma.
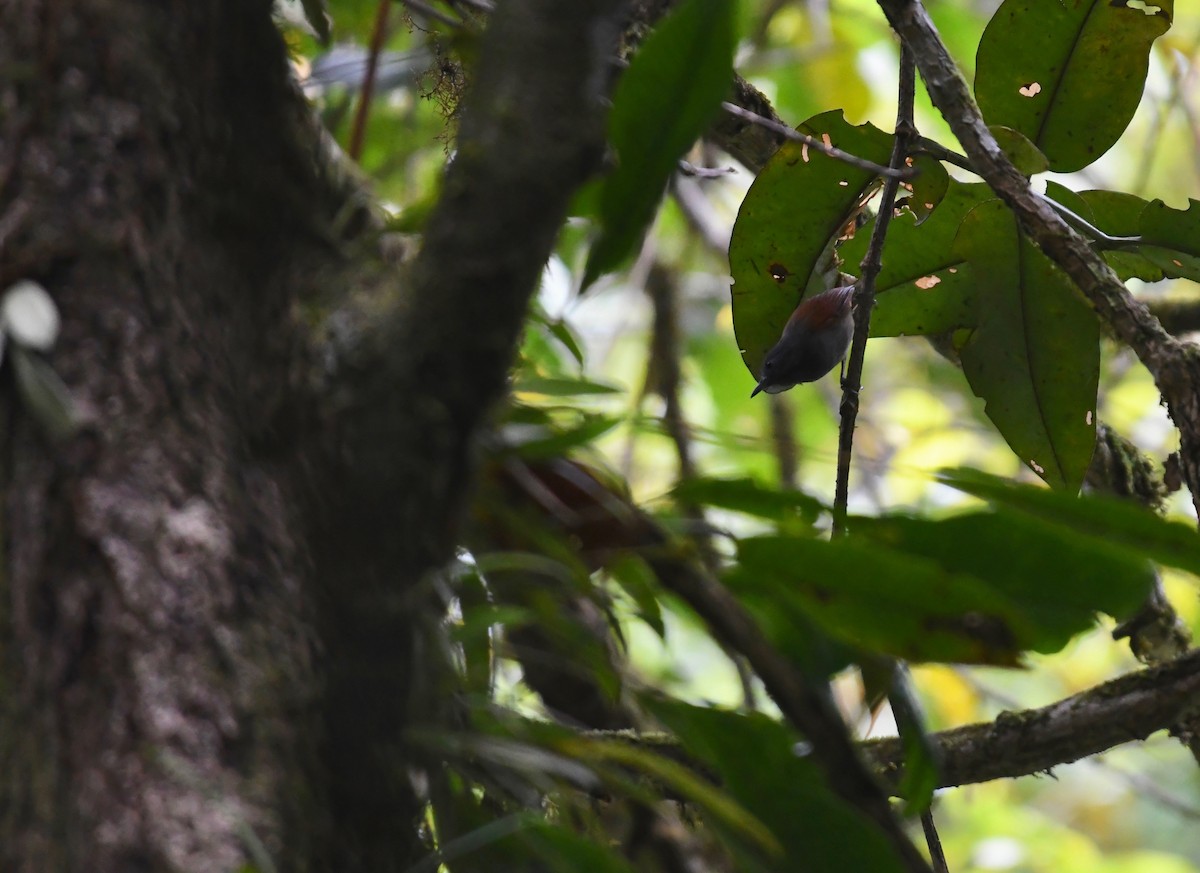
<point>211,630</point>
<point>1131,707</point>
<point>413,377</point>
<point>155,639</point>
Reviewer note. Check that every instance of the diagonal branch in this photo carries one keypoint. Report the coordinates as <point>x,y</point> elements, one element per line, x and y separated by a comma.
<point>1130,707</point>
<point>1175,366</point>
<point>804,704</point>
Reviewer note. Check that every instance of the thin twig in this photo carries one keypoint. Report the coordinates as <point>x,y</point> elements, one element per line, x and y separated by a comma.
<point>909,719</point>
<point>864,295</point>
<point>378,35</point>
<point>904,704</point>
<point>783,438</point>
<point>923,145</point>
<point>818,145</point>
<point>934,842</point>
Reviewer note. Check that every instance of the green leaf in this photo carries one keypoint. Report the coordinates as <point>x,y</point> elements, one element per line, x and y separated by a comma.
<point>637,579</point>
<point>791,630</point>
<point>1170,244</point>
<point>551,386</point>
<point>542,442</point>
<point>1025,156</point>
<point>1104,519</point>
<point>1117,214</point>
<point>662,103</point>
<point>563,333</point>
<point>712,800</point>
<point>1069,76</point>
<point>44,394</point>
<point>563,851</point>
<point>800,202</point>
<point>928,188</point>
<point>749,497</point>
<point>1056,577</point>
<point>1172,238</point>
<point>1034,355</point>
<point>761,764</point>
<point>487,837</point>
<point>883,599</point>
<point>981,587</point>
<point>923,287</point>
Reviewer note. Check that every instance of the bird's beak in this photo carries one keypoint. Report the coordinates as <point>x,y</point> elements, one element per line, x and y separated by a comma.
<point>757,388</point>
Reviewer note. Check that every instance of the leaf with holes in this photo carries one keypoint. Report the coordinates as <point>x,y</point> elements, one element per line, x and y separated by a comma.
<point>1172,238</point>
<point>800,201</point>
<point>1069,76</point>
<point>926,191</point>
<point>923,287</point>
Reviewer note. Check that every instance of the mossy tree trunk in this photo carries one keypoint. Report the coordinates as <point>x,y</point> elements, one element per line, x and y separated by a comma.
<point>211,638</point>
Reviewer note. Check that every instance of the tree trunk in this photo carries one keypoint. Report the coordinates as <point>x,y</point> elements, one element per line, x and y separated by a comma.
<point>157,674</point>
<point>211,638</point>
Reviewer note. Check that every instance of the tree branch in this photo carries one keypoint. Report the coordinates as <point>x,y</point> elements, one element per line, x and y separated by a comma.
<point>1131,707</point>
<point>407,378</point>
<point>864,295</point>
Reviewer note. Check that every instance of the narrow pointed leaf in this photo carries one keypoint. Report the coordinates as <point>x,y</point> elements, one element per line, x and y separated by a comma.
<point>1105,520</point>
<point>662,103</point>
<point>760,765</point>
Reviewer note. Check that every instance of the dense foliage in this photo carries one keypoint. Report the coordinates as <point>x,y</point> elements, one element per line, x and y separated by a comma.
<point>629,460</point>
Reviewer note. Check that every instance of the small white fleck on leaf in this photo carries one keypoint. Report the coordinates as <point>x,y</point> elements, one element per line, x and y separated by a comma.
<point>1037,468</point>
<point>927,282</point>
<point>29,316</point>
<point>1088,418</point>
<point>1030,90</point>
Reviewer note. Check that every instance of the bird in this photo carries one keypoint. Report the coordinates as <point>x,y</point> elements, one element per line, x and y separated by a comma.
<point>814,340</point>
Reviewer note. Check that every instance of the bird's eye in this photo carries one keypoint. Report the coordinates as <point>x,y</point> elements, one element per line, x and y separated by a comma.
<point>768,364</point>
